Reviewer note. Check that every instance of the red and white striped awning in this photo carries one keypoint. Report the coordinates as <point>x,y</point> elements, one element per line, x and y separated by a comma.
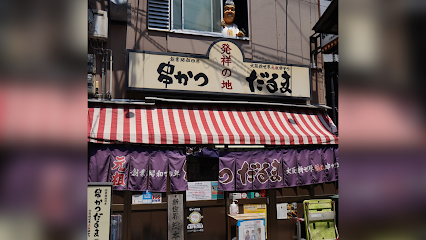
<point>165,124</point>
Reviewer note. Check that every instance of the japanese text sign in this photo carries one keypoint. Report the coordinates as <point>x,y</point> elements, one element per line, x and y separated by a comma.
<point>223,70</point>
<point>98,210</point>
<point>138,174</point>
<point>158,172</point>
<point>175,224</point>
<point>255,170</point>
<point>139,170</point>
<point>119,167</point>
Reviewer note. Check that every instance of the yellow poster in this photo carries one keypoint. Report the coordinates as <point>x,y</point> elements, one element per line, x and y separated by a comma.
<point>257,208</point>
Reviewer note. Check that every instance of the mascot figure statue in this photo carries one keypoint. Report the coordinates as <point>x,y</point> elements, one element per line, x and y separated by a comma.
<point>228,26</point>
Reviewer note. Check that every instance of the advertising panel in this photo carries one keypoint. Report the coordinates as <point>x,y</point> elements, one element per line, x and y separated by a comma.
<point>256,208</point>
<point>194,220</point>
<point>252,230</point>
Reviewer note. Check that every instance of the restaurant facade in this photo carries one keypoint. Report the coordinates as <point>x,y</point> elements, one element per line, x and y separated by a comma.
<point>185,114</point>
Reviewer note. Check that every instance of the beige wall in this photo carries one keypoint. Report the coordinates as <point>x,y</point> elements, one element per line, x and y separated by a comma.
<point>274,37</point>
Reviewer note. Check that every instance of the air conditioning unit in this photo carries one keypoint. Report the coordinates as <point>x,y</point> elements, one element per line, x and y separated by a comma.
<point>91,88</point>
<point>98,24</point>
<point>91,63</point>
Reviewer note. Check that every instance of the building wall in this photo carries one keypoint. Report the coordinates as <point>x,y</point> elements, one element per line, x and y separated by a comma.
<point>279,32</point>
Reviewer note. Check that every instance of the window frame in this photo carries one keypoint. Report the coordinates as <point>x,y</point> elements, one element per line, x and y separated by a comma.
<point>205,33</point>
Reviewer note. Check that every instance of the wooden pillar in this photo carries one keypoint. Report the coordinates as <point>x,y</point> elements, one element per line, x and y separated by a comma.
<point>272,215</point>
<point>127,214</point>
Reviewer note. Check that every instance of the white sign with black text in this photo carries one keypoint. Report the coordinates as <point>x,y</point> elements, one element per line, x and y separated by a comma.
<point>199,191</point>
<point>99,197</point>
<point>223,71</point>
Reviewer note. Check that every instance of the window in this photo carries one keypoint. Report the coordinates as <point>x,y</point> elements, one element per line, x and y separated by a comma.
<point>200,17</point>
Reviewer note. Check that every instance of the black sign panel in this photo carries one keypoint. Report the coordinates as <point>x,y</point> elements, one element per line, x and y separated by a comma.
<point>194,220</point>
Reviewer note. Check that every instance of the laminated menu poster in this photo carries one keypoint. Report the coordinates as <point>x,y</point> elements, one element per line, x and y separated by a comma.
<point>252,230</point>
<point>194,220</point>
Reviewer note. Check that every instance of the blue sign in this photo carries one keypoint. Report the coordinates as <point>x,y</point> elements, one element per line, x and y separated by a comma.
<point>147,197</point>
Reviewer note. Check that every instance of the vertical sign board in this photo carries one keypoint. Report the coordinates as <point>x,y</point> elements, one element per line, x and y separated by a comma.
<point>99,202</point>
<point>175,222</point>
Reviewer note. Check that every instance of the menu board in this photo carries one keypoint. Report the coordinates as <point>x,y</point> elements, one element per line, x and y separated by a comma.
<point>199,191</point>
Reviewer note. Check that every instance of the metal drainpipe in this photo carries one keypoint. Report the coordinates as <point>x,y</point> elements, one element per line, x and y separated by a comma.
<point>110,73</point>
<point>102,64</point>
<point>106,72</point>
<point>332,96</point>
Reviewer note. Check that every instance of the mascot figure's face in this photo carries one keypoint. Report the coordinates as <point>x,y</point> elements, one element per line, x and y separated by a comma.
<point>229,14</point>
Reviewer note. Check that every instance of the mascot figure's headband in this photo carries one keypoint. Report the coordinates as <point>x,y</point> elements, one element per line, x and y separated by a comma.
<point>230,2</point>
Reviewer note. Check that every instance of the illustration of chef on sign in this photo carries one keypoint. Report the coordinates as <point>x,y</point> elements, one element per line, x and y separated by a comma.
<point>229,28</point>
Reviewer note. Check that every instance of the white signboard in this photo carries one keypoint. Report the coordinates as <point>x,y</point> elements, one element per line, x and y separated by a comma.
<point>137,199</point>
<point>99,197</point>
<point>199,191</point>
<point>223,71</point>
<point>281,210</point>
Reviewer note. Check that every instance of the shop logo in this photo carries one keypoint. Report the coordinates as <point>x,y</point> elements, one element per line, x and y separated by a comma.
<point>195,217</point>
